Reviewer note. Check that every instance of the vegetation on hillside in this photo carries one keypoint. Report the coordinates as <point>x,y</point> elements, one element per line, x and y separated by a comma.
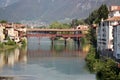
<point>76,22</point>
<point>58,25</point>
<point>72,24</point>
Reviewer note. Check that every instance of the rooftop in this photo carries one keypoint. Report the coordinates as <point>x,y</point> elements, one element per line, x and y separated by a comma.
<point>115,18</point>
<point>114,8</point>
<point>10,25</point>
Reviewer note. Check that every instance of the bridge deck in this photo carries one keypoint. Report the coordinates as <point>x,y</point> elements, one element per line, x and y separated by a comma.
<point>55,35</point>
<point>55,30</point>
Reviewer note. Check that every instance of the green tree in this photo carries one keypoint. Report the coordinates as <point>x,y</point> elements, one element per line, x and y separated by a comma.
<point>108,71</point>
<point>55,25</point>
<point>81,22</point>
<point>93,17</point>
<point>91,37</point>
<point>58,25</point>
<point>3,21</point>
<point>65,26</point>
<point>103,13</point>
<point>90,58</point>
<point>1,45</point>
<point>98,14</point>
<point>74,23</point>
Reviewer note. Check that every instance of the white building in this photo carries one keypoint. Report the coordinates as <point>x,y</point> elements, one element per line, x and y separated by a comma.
<point>116,41</point>
<point>2,36</point>
<point>105,38</point>
<point>114,11</point>
<point>10,31</point>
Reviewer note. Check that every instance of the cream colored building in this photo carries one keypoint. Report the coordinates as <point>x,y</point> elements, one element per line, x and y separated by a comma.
<point>2,36</point>
<point>10,31</point>
<point>15,31</point>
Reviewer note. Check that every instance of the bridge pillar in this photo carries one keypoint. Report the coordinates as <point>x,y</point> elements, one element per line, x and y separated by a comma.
<point>39,39</point>
<point>52,47</point>
<point>52,41</point>
<point>78,43</point>
<point>65,42</point>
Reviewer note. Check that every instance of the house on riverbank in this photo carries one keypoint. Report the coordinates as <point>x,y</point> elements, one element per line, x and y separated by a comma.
<point>2,35</point>
<point>107,37</point>
<point>12,30</point>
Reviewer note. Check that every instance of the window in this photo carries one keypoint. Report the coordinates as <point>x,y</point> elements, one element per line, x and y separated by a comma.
<point>104,43</point>
<point>104,35</point>
<point>104,30</point>
<point>107,23</point>
<point>104,39</point>
<point>118,55</point>
<point>103,24</point>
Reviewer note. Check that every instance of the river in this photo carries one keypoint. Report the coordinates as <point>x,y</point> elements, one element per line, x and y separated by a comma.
<point>40,60</point>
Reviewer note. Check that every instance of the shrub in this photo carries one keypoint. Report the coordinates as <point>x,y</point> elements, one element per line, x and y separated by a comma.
<point>23,42</point>
<point>10,42</point>
<point>1,45</point>
<point>90,59</point>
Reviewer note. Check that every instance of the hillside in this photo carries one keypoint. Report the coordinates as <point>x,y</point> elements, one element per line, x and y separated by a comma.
<point>50,10</point>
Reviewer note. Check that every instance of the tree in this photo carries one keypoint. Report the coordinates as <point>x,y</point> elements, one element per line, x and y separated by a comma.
<point>81,22</point>
<point>93,17</point>
<point>55,25</point>
<point>103,13</point>
<point>74,23</point>
<point>108,71</point>
<point>58,25</point>
<point>3,21</point>
<point>98,14</point>
<point>91,37</point>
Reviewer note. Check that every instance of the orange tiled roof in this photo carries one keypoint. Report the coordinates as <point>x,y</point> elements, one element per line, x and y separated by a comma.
<point>116,18</point>
<point>19,25</point>
<point>115,8</point>
<point>6,25</point>
<point>9,25</point>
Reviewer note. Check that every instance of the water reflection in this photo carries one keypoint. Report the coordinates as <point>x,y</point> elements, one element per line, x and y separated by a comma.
<point>44,48</point>
<point>42,61</point>
<point>10,57</point>
<point>7,78</point>
<point>64,59</point>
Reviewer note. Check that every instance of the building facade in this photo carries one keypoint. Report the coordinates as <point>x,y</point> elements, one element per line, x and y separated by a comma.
<point>2,35</point>
<point>15,32</point>
<point>106,37</point>
<point>116,41</point>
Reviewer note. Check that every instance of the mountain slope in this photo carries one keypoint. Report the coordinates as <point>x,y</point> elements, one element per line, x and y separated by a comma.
<point>5,3</point>
<point>50,10</point>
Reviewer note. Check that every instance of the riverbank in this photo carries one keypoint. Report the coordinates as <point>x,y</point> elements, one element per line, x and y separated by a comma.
<point>11,45</point>
<point>105,69</point>
<point>7,47</point>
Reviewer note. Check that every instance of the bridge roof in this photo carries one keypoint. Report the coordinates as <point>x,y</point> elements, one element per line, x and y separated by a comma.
<point>55,30</point>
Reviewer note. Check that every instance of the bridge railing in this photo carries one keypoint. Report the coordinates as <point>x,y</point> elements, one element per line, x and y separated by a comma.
<point>55,35</point>
<point>56,30</point>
